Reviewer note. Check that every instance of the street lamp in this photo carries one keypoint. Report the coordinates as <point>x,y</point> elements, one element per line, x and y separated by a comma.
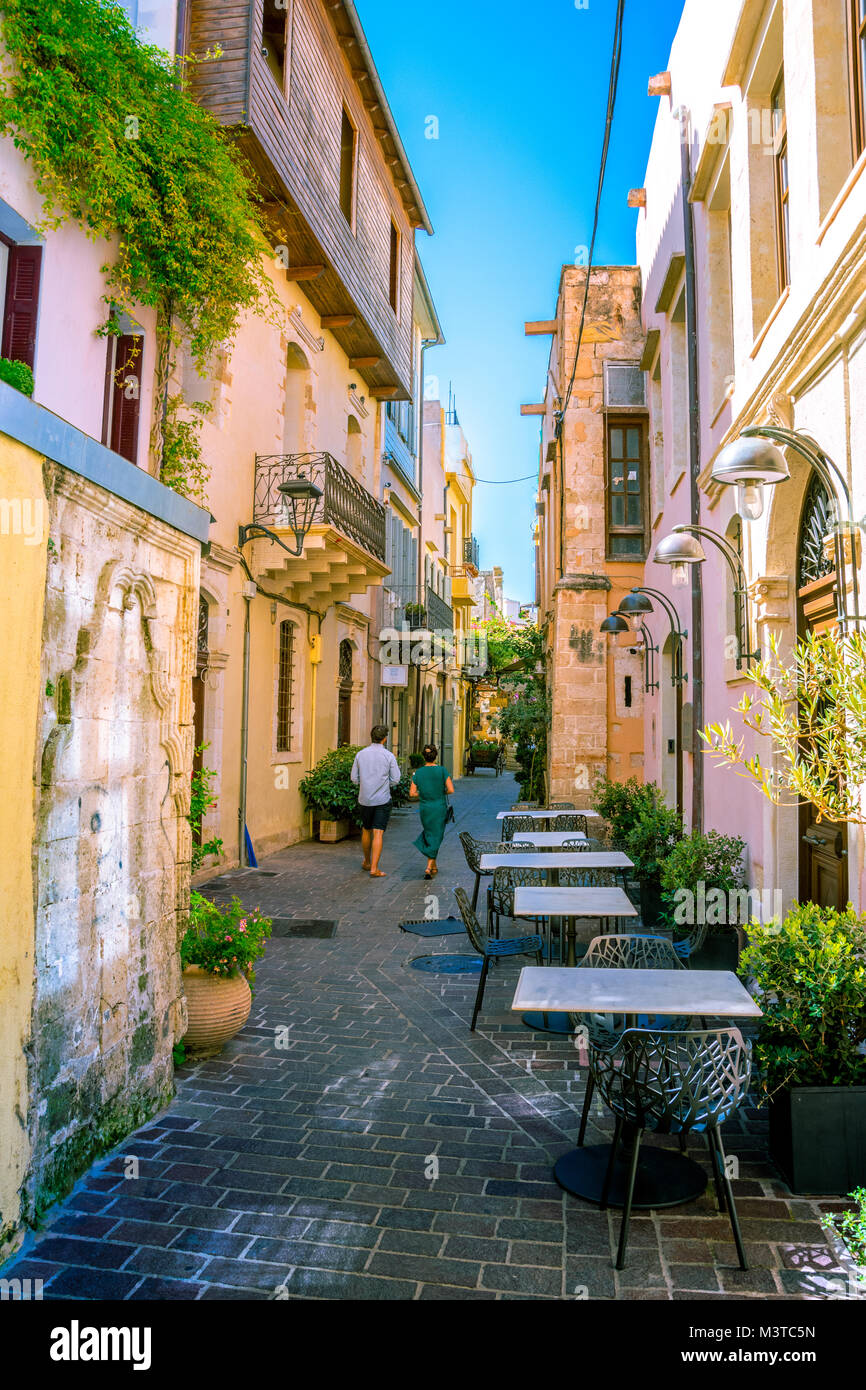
<point>754,460</point>
<point>682,548</point>
<point>302,497</point>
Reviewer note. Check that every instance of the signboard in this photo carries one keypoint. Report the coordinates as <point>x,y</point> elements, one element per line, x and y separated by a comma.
<point>395,675</point>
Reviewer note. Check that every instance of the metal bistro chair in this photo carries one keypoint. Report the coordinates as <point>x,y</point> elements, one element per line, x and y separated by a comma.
<point>526,806</point>
<point>674,1083</point>
<point>561,806</point>
<point>500,894</point>
<point>512,825</point>
<point>492,949</point>
<point>473,849</point>
<point>605,1030</point>
<point>569,823</point>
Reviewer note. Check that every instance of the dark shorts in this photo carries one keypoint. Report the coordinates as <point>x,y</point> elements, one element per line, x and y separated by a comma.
<point>375,817</point>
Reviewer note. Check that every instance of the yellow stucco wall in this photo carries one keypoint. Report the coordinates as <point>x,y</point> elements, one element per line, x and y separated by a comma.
<point>23,545</point>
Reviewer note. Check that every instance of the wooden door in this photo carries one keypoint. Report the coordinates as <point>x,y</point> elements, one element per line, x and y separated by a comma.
<point>823,844</point>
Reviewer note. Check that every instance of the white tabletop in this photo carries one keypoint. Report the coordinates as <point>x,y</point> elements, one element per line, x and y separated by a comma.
<point>547,815</point>
<point>544,839</point>
<point>678,993</point>
<point>572,902</point>
<point>578,859</point>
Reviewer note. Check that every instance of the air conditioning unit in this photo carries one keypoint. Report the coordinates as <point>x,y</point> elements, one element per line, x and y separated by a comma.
<point>624,386</point>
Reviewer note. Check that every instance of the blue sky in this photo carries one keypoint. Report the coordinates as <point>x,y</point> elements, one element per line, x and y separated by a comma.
<point>520,92</point>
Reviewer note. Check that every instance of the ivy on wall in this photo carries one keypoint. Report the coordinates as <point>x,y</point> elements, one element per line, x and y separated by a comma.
<point>117,146</point>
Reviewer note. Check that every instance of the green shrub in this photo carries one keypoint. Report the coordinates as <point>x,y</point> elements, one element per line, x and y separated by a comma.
<point>712,859</point>
<point>329,789</point>
<point>223,941</point>
<point>810,973</point>
<point>851,1225</point>
<point>416,760</point>
<point>622,804</point>
<point>17,374</point>
<point>652,839</point>
<point>200,801</point>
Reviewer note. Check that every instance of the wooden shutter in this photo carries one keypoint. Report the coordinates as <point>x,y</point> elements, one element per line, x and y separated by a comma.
<point>22,302</point>
<point>124,393</point>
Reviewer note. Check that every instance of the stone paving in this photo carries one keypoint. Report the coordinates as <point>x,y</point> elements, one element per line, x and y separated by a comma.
<point>300,1162</point>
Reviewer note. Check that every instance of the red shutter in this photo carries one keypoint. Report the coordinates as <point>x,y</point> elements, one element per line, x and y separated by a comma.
<point>22,301</point>
<point>125,388</point>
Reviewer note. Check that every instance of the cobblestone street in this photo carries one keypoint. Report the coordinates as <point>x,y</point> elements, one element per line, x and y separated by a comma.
<point>304,1168</point>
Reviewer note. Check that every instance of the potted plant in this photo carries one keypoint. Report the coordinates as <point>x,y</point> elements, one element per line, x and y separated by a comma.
<point>847,1230</point>
<point>697,879</point>
<point>809,974</point>
<point>217,952</point>
<point>17,374</point>
<point>648,845</point>
<point>621,805</point>
<point>416,615</point>
<point>202,799</point>
<point>332,795</point>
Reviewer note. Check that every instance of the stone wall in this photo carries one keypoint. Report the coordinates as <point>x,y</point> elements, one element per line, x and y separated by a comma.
<point>111,847</point>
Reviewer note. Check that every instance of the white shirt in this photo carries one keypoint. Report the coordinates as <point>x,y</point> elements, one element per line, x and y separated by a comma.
<point>375,771</point>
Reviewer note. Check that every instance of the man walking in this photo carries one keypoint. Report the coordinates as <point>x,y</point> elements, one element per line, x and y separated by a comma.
<point>375,771</point>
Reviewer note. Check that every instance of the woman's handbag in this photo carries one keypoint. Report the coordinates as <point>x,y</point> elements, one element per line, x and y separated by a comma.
<point>449,814</point>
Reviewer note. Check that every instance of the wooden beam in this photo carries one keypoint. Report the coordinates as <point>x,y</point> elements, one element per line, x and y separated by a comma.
<point>338,320</point>
<point>637,198</point>
<point>660,85</point>
<point>533,409</point>
<point>384,393</point>
<point>361,363</point>
<point>304,272</point>
<point>539,327</point>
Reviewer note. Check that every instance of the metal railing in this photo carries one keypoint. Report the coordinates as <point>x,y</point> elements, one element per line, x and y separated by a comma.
<point>471,553</point>
<point>440,617</point>
<point>345,503</point>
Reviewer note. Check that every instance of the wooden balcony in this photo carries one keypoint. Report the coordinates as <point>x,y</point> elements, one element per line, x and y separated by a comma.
<point>344,552</point>
<point>285,106</point>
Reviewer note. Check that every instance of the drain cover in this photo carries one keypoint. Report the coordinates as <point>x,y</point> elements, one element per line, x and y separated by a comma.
<point>296,926</point>
<point>447,965</point>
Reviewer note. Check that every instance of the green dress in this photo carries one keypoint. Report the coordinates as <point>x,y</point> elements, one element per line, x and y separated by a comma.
<point>430,782</point>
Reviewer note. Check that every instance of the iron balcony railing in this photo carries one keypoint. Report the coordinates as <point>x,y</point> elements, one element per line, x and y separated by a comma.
<point>345,503</point>
<point>404,606</point>
<point>440,616</point>
<point>470,552</point>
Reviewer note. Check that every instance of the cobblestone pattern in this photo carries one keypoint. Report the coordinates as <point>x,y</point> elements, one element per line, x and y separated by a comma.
<point>300,1162</point>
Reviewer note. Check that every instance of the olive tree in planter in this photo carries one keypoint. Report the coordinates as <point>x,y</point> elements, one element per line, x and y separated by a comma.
<point>811,967</point>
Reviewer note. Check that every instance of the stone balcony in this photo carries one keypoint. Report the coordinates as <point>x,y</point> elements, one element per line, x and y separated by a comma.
<point>344,552</point>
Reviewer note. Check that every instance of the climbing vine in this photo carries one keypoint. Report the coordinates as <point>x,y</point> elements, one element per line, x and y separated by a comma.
<point>117,146</point>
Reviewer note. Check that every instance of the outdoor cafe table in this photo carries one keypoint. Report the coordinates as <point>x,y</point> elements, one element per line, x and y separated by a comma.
<point>552,860</point>
<point>547,815</point>
<point>665,1177</point>
<point>549,839</point>
<point>570,903</point>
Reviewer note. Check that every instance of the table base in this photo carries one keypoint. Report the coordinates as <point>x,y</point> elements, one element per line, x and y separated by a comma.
<point>556,1023</point>
<point>665,1178</point>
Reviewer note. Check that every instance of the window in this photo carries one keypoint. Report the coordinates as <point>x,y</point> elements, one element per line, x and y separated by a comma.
<point>857,64</point>
<point>394,268</point>
<point>285,683</point>
<point>123,395</point>
<point>780,162</point>
<point>624,384</point>
<point>274,39</point>
<point>627,691</point>
<point>347,167</point>
<point>626,453</point>
<point>21,302</point>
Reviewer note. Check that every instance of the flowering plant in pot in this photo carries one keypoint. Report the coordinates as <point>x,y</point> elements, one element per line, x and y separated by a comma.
<point>809,975</point>
<point>217,952</point>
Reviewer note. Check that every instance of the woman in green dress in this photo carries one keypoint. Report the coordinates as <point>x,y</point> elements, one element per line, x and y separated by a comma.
<point>432,786</point>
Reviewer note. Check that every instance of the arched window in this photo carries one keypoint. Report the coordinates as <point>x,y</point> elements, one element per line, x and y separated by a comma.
<point>354,441</point>
<point>296,401</point>
<point>285,687</point>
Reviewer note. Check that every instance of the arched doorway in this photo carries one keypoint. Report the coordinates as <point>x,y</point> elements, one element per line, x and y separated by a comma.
<point>823,845</point>
<point>344,706</point>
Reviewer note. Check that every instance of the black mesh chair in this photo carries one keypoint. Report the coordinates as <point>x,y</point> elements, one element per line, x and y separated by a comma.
<point>492,949</point>
<point>561,806</point>
<point>568,823</point>
<point>473,849</point>
<point>674,1083</point>
<point>514,825</point>
<point>686,946</point>
<point>526,806</point>
<point>604,1031</point>
<point>500,894</point>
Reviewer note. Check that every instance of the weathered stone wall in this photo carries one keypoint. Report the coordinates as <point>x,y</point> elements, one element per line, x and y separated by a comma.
<point>112,847</point>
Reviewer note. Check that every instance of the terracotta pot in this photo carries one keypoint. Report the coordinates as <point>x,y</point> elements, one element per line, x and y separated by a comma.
<point>217,1008</point>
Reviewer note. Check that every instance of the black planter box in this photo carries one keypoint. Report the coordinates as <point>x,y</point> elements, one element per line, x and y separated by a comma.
<point>650,902</point>
<point>818,1138</point>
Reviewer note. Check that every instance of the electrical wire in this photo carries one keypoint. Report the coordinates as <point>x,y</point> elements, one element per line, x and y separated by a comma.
<point>503,482</point>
